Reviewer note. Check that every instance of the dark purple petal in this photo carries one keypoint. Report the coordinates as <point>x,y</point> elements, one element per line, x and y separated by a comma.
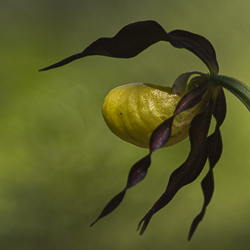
<point>163,132</point>
<point>214,154</point>
<point>131,40</point>
<point>220,108</point>
<point>136,174</point>
<point>207,184</point>
<point>192,98</point>
<point>138,171</point>
<point>111,206</point>
<point>198,45</point>
<point>191,168</point>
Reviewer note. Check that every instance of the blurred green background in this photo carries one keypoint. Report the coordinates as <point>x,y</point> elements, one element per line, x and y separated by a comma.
<point>59,163</point>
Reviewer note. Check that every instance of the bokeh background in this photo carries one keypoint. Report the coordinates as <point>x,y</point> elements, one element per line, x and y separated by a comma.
<point>59,163</point>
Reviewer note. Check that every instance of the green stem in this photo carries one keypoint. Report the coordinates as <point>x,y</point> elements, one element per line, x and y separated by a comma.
<point>236,87</point>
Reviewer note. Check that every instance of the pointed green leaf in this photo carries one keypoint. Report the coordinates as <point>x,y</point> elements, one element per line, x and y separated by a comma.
<point>236,87</point>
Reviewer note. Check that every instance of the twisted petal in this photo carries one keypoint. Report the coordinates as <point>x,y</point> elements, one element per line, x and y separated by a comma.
<point>220,109</point>
<point>162,133</point>
<point>214,154</point>
<point>133,38</point>
<point>190,169</point>
<point>198,45</point>
<point>136,174</point>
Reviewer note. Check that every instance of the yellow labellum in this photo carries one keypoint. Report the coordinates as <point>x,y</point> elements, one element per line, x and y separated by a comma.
<point>134,110</point>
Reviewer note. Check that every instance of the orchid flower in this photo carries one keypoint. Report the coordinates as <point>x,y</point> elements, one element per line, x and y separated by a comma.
<point>154,117</point>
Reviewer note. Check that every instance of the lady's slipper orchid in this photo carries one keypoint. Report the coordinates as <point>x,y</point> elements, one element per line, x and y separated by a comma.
<point>154,116</point>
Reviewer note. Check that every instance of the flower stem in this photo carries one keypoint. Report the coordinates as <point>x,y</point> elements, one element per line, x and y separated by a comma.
<point>236,87</point>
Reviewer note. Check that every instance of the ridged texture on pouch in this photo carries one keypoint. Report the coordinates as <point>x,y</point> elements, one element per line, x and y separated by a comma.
<point>134,110</point>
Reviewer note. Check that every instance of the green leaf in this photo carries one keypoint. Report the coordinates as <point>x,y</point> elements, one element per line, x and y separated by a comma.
<point>236,87</point>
